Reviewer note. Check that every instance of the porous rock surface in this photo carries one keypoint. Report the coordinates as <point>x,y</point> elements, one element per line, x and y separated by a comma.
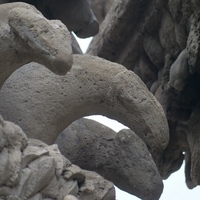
<point>101,8</point>
<point>44,105</point>
<point>32,170</point>
<point>122,157</point>
<point>26,36</point>
<point>156,39</point>
<point>159,41</point>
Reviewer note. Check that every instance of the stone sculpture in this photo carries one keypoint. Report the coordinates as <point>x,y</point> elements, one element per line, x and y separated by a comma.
<point>27,36</point>
<point>115,98</point>
<point>87,89</point>
<point>112,91</point>
<point>76,15</point>
<point>122,157</point>
<point>32,170</point>
<point>159,41</point>
<point>29,169</point>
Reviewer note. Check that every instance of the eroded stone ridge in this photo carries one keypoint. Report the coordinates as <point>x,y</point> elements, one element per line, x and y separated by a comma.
<point>92,86</point>
<point>122,157</point>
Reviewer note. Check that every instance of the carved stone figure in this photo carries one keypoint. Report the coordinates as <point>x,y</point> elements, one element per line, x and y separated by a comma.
<point>122,157</point>
<point>32,170</point>
<point>110,88</point>
<point>93,86</point>
<point>157,40</point>
<point>27,36</point>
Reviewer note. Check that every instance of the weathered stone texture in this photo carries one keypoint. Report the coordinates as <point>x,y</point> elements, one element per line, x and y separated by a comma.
<point>156,39</point>
<point>162,47</point>
<point>44,105</point>
<point>122,157</point>
<point>101,8</point>
<point>32,170</point>
<point>27,36</point>
<point>76,15</point>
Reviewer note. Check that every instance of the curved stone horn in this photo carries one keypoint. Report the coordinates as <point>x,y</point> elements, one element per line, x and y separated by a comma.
<point>27,36</point>
<point>44,104</point>
<point>122,157</point>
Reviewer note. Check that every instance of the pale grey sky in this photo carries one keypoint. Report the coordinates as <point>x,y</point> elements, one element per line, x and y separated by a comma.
<point>174,187</point>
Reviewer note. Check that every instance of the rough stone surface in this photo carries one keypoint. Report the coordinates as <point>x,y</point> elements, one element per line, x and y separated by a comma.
<point>119,16</point>
<point>156,39</point>
<point>44,105</point>
<point>70,197</point>
<point>32,170</point>
<point>179,71</point>
<point>96,187</point>
<point>47,104</point>
<point>27,36</point>
<point>122,157</point>
<point>160,43</point>
<point>193,163</point>
<point>101,8</point>
<point>76,15</point>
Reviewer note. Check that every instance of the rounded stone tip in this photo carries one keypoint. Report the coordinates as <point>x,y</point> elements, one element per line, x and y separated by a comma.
<point>91,30</point>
